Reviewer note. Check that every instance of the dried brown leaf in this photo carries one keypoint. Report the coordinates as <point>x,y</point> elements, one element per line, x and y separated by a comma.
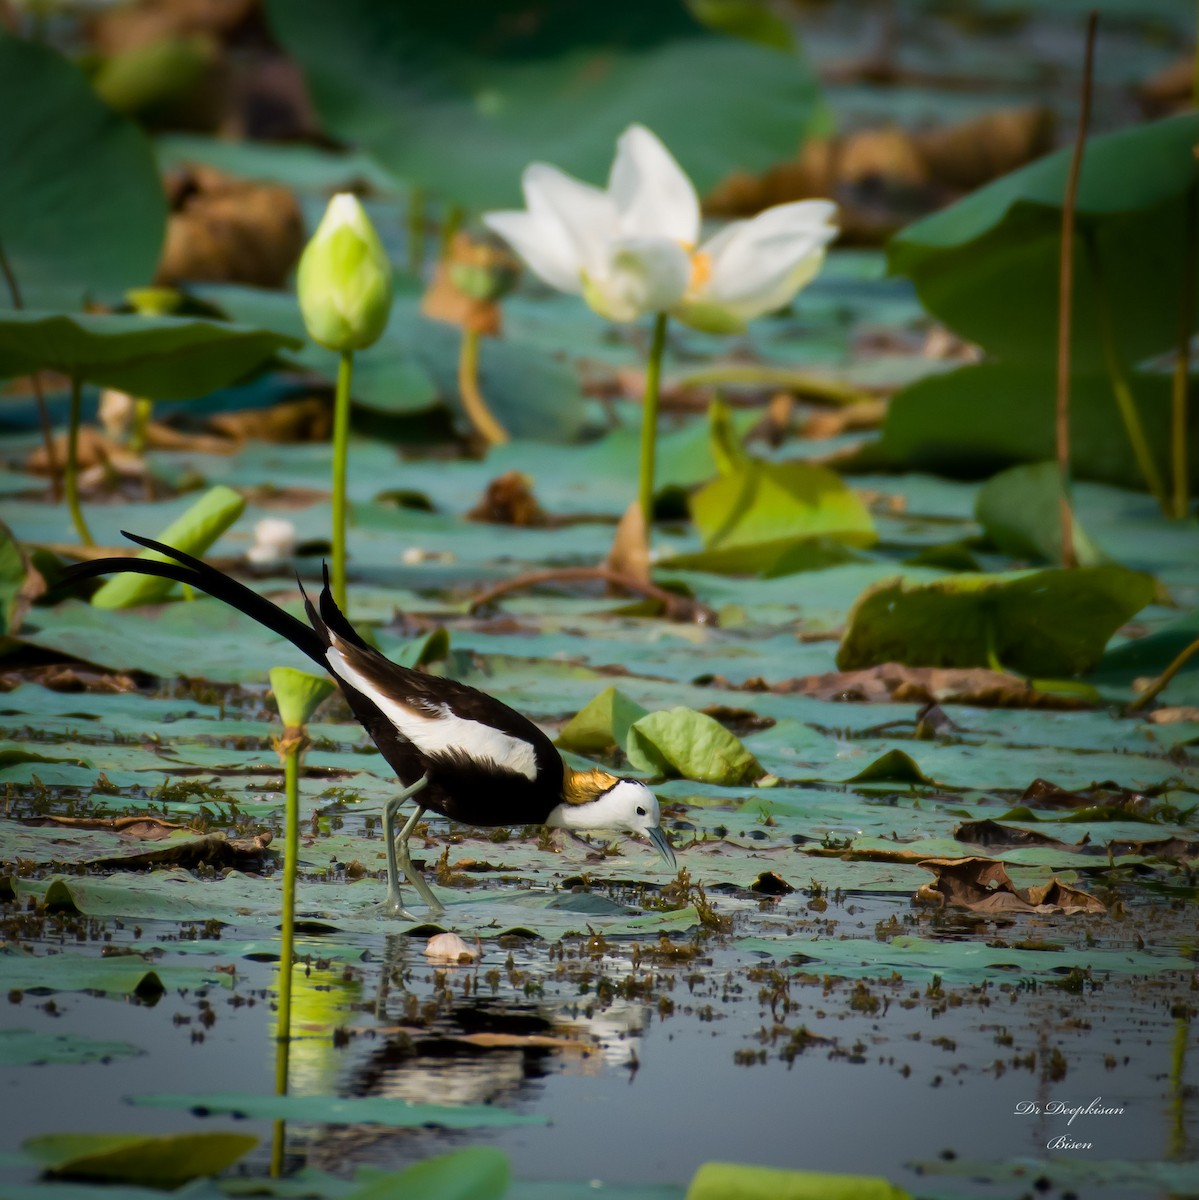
<point>1041,793</point>
<point>213,849</point>
<point>942,685</point>
<point>509,500</point>
<point>629,554</point>
<point>305,420</point>
<point>996,836</point>
<point>226,229</point>
<point>982,885</point>
<point>134,828</point>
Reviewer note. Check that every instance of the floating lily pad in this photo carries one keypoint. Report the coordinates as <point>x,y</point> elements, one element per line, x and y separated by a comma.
<point>1042,623</point>
<point>165,358</point>
<point>25,1047</point>
<point>917,958</point>
<point>163,1161</point>
<point>116,976</point>
<point>335,1110</point>
<point>736,1181</point>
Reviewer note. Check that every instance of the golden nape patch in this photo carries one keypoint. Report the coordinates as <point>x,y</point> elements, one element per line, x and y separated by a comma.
<point>581,787</point>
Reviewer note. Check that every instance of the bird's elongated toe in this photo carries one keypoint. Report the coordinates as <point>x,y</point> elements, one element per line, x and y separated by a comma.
<point>394,907</point>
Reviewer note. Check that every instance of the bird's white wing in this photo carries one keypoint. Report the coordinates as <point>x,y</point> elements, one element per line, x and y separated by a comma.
<point>437,730</point>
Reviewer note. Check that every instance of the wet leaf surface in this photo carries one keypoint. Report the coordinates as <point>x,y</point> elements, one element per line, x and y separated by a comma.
<point>330,1110</point>
<point>164,1162</point>
<point>1042,624</point>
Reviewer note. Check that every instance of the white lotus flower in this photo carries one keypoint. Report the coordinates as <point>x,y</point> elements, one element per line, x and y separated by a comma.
<point>631,249</point>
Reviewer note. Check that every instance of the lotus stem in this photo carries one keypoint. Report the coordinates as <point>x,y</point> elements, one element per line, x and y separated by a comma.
<point>143,412</point>
<point>1182,364</point>
<point>341,438</point>
<point>453,220</point>
<point>1066,303</point>
<point>1162,682</point>
<point>293,742</point>
<point>1121,389</point>
<point>829,391</point>
<point>649,420</point>
<point>418,203</point>
<point>290,747</point>
<point>71,472</point>
<point>481,417</point>
<point>43,414</point>
<point>1178,1089</point>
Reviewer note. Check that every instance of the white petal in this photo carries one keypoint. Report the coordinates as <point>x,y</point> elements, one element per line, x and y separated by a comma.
<point>543,245</point>
<point>756,266</point>
<point>642,275</point>
<point>586,216</point>
<point>653,197</point>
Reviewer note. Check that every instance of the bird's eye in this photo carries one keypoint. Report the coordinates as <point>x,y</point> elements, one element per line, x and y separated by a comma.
<point>640,811</point>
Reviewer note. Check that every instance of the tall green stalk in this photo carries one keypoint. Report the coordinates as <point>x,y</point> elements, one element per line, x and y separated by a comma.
<point>1178,1088</point>
<point>452,220</point>
<point>297,695</point>
<point>1121,389</point>
<point>341,440</point>
<point>143,414</point>
<point>43,414</point>
<point>1179,400</point>
<point>1065,304</point>
<point>71,471</point>
<point>649,420</point>
<point>417,224</point>
<point>289,750</point>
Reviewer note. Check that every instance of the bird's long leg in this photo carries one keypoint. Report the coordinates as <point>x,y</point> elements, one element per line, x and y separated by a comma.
<point>394,904</point>
<point>414,877</point>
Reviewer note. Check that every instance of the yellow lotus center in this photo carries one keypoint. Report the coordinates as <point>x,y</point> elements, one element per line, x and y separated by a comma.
<point>701,270</point>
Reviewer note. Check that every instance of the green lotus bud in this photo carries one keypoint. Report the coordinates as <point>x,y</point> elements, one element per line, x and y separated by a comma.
<point>344,280</point>
<point>298,694</point>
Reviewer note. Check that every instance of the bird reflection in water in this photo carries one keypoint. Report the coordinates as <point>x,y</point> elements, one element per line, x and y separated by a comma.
<point>451,1048</point>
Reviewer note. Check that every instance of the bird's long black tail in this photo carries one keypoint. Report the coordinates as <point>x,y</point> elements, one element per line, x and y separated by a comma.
<point>194,571</point>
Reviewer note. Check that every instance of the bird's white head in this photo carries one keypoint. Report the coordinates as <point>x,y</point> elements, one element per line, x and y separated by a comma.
<point>624,804</point>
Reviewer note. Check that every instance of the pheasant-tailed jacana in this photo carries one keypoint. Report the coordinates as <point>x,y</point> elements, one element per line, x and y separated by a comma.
<point>459,751</point>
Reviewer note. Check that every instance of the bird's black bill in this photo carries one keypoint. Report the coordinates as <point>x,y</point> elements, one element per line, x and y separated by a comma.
<point>662,846</point>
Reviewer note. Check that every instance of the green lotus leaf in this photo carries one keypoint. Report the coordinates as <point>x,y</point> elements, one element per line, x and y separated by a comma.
<point>82,211</point>
<point>163,358</point>
<point>163,1161</point>
<point>681,742</point>
<point>1040,623</point>
<point>601,723</point>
